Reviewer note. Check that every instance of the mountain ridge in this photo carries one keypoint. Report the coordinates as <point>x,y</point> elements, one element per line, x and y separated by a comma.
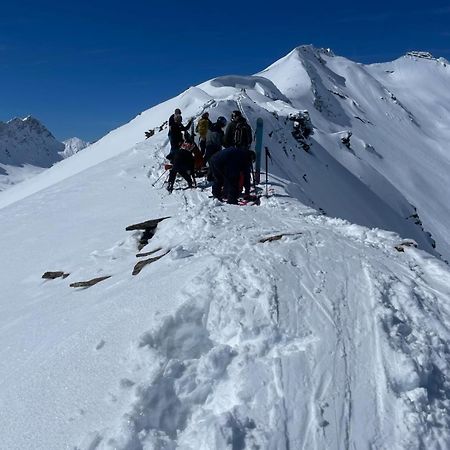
<point>305,322</point>
<point>27,148</point>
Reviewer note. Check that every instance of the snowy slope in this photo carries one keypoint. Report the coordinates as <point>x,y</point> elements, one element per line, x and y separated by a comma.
<point>72,146</point>
<point>26,148</point>
<point>224,339</point>
<point>326,338</point>
<point>397,113</point>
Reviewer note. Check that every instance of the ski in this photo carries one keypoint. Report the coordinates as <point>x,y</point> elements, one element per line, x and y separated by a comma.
<point>258,148</point>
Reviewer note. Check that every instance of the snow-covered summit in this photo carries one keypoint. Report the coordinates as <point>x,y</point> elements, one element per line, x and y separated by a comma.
<point>310,321</point>
<point>73,145</point>
<point>26,148</point>
<point>28,141</point>
<point>397,115</point>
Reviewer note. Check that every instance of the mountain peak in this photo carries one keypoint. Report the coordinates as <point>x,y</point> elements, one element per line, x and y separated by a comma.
<point>309,48</point>
<point>28,141</point>
<point>421,55</point>
<point>73,145</point>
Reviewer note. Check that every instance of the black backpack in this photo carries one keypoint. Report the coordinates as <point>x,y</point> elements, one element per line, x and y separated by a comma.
<point>242,134</point>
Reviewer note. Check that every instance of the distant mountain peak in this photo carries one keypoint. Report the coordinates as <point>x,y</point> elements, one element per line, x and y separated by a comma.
<point>26,142</point>
<point>73,145</point>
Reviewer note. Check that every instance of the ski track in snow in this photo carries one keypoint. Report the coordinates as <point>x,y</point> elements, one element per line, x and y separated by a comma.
<point>326,339</point>
<point>221,372</point>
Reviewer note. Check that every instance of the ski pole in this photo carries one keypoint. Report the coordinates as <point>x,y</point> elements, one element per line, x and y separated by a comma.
<point>153,184</point>
<point>253,176</point>
<point>267,172</point>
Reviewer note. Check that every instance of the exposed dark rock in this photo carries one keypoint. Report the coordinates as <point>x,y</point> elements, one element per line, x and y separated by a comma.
<point>149,228</point>
<point>276,237</point>
<point>303,128</point>
<point>345,138</point>
<point>141,264</point>
<point>401,247</point>
<point>54,275</point>
<point>140,255</point>
<point>89,283</point>
<point>339,94</point>
<point>145,225</point>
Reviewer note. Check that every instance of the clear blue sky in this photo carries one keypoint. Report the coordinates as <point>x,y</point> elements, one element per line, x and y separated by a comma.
<point>84,68</point>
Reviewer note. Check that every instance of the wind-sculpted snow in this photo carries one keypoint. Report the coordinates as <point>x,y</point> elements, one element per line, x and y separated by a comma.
<point>259,84</point>
<point>327,338</point>
<point>281,326</point>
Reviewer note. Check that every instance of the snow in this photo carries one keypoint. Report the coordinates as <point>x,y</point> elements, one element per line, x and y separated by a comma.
<point>328,337</point>
<point>398,110</point>
<point>26,148</point>
<point>73,145</point>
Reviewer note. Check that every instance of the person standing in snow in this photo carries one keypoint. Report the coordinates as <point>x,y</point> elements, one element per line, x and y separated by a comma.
<point>203,125</point>
<point>176,134</point>
<point>238,133</point>
<point>214,138</point>
<point>177,112</point>
<point>182,163</point>
<point>227,168</point>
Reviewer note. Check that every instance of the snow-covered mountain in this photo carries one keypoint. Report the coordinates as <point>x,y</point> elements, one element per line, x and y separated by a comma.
<point>26,148</point>
<point>73,145</point>
<point>331,334</point>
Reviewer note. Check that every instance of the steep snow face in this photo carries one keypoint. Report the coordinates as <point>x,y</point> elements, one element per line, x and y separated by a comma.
<point>72,146</point>
<point>326,337</point>
<point>396,114</point>
<point>26,148</point>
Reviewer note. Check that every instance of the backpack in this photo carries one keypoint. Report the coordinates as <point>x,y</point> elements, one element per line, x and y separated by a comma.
<point>242,134</point>
<point>202,127</point>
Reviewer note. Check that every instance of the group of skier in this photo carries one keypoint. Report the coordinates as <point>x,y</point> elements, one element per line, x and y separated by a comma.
<point>224,155</point>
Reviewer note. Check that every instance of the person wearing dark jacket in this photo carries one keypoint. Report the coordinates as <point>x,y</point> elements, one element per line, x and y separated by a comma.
<point>238,132</point>
<point>183,164</point>
<point>214,138</point>
<point>176,134</point>
<point>172,117</point>
<point>227,166</point>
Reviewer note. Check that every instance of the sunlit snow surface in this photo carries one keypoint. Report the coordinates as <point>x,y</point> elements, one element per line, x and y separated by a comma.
<point>326,338</point>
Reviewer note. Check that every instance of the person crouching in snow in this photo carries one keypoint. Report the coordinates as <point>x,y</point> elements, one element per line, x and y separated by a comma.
<point>227,167</point>
<point>190,145</point>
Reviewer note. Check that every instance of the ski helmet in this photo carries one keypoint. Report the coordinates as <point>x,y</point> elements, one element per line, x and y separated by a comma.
<point>221,121</point>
